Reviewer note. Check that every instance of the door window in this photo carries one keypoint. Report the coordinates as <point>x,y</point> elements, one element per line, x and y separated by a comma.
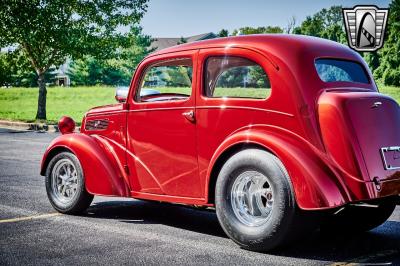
<point>167,81</point>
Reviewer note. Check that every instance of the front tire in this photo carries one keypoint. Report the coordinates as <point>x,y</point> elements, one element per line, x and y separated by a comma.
<point>255,202</point>
<point>65,184</point>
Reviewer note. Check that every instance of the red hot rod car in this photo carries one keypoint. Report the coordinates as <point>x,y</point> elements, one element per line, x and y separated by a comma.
<point>268,129</point>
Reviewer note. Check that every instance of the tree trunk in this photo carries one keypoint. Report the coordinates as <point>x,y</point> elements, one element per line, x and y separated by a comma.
<point>41,111</point>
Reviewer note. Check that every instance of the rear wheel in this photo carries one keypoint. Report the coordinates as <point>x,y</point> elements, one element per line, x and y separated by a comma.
<point>356,219</point>
<point>255,202</point>
<point>65,184</point>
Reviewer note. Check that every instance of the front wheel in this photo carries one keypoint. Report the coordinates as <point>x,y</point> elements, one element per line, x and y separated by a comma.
<point>255,201</point>
<point>65,184</point>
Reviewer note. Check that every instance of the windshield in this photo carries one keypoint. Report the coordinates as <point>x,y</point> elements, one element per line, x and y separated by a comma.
<point>334,70</point>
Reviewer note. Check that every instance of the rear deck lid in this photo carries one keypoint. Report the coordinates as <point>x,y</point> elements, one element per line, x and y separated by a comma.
<point>376,124</point>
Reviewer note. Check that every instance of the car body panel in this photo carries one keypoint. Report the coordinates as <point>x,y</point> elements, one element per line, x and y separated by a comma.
<point>355,126</point>
<point>156,153</point>
<point>99,163</point>
<point>315,184</point>
<point>166,145</point>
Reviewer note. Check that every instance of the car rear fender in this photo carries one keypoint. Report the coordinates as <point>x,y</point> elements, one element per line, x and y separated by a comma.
<point>103,170</point>
<point>315,184</point>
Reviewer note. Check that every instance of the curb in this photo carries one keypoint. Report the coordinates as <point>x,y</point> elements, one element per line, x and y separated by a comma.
<point>28,126</point>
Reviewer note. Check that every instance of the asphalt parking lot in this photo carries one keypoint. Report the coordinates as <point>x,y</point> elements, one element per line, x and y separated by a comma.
<point>125,231</point>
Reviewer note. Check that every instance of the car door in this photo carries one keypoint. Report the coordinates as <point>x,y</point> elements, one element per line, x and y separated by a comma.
<point>161,127</point>
<point>236,93</point>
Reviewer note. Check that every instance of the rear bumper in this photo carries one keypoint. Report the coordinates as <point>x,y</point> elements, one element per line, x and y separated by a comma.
<point>370,191</point>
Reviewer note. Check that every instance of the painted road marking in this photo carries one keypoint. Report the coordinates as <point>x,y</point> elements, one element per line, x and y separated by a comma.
<point>27,218</point>
<point>365,260</point>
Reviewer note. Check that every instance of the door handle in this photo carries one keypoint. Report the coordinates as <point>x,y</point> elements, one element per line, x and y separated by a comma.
<point>189,116</point>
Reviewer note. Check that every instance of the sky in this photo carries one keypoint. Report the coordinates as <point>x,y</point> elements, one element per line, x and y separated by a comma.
<point>177,18</point>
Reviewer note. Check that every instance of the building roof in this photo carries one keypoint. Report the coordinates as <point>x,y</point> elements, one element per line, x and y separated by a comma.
<point>204,36</point>
<point>162,43</point>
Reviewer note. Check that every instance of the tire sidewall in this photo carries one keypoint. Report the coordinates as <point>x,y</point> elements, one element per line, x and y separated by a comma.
<point>272,232</point>
<point>60,206</point>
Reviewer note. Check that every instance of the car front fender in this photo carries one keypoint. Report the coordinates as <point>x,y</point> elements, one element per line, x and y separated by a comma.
<point>102,168</point>
<point>315,183</point>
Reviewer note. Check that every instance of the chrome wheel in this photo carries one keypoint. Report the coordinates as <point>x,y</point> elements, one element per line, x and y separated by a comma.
<point>64,180</point>
<point>252,198</point>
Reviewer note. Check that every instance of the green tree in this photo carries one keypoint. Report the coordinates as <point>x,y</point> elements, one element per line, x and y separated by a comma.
<point>372,59</point>
<point>233,77</point>
<point>258,78</point>
<point>178,76</point>
<point>389,68</point>
<point>5,69</point>
<point>115,71</point>
<point>17,71</point>
<point>85,71</point>
<point>182,40</point>
<point>223,33</point>
<point>258,30</point>
<point>138,47</point>
<point>92,71</point>
<point>327,23</point>
<point>49,31</point>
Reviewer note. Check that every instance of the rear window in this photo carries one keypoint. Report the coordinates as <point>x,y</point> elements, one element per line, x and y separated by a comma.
<point>333,70</point>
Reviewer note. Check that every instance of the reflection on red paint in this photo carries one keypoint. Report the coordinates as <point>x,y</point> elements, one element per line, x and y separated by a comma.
<point>327,134</point>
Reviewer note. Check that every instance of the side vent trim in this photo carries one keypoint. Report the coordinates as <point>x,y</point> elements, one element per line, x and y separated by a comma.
<point>98,124</point>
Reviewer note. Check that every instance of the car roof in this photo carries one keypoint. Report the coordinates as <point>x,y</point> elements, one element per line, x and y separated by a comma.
<point>275,43</point>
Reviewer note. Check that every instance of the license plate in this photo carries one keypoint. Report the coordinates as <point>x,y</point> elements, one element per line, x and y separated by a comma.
<point>391,157</point>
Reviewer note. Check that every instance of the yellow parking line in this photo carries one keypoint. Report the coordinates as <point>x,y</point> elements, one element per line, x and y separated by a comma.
<point>26,218</point>
<point>363,260</point>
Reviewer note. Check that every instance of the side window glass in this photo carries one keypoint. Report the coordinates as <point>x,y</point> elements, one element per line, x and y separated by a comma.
<point>235,77</point>
<point>167,81</point>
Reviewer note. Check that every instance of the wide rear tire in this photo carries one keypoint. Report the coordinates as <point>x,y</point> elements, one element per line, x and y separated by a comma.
<point>65,184</point>
<point>255,202</point>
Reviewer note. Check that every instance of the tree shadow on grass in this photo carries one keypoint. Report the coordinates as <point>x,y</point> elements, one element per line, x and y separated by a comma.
<point>381,245</point>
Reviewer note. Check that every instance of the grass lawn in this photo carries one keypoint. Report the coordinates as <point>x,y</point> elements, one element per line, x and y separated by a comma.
<point>391,91</point>
<point>21,103</point>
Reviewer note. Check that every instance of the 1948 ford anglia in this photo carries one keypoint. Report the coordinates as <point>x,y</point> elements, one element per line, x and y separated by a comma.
<point>268,129</point>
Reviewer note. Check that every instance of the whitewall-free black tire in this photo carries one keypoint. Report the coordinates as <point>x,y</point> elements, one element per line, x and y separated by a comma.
<point>255,202</point>
<point>65,184</point>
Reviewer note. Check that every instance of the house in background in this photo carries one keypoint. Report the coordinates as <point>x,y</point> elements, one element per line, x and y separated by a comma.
<point>161,43</point>
<point>61,74</point>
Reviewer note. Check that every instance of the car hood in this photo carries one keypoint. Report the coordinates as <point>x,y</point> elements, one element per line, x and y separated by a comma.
<point>105,109</point>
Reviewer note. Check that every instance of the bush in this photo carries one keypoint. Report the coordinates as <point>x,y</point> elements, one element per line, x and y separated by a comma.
<point>391,77</point>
